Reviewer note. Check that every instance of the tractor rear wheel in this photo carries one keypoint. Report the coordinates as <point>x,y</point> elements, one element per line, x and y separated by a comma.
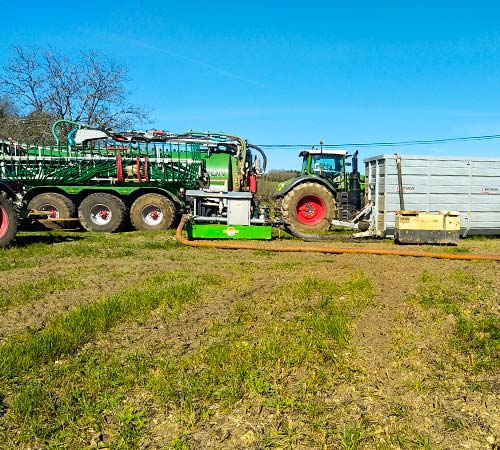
<point>59,207</point>
<point>309,207</point>
<point>8,222</point>
<point>102,212</point>
<point>152,212</point>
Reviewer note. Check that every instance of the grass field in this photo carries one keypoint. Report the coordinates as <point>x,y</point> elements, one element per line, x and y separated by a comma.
<point>131,340</point>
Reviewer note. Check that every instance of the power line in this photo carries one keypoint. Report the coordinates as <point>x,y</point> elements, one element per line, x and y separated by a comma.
<point>391,144</point>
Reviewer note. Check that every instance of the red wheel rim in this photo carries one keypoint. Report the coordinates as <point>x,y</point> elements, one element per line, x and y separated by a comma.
<point>4,221</point>
<point>311,209</point>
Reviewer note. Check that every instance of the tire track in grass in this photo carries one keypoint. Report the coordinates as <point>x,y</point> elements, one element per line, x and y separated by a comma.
<point>108,374</point>
<point>373,404</point>
<point>49,402</point>
<point>189,331</point>
<point>90,283</point>
<point>31,291</point>
<point>404,352</point>
<point>100,276</point>
<point>261,371</point>
<point>66,333</point>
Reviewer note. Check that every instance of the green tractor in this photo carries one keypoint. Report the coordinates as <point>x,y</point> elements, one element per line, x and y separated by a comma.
<point>323,194</point>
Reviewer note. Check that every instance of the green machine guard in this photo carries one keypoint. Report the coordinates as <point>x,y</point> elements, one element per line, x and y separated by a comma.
<point>224,231</point>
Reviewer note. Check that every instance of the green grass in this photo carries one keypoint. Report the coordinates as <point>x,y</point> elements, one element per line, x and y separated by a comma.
<point>283,364</point>
<point>57,385</point>
<point>66,333</point>
<point>22,257</point>
<point>479,337</point>
<point>476,331</point>
<point>132,422</point>
<point>451,292</point>
<point>351,437</point>
<point>32,248</point>
<point>31,291</point>
<point>77,393</point>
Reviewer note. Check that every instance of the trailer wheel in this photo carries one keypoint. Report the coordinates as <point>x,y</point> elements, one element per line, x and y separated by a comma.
<point>8,222</point>
<point>309,207</point>
<point>152,212</point>
<point>59,206</point>
<point>102,212</point>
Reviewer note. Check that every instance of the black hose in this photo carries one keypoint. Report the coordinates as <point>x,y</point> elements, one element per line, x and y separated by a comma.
<point>264,157</point>
<point>312,237</point>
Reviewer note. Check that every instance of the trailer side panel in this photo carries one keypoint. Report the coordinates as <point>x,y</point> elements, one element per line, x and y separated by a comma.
<point>470,186</point>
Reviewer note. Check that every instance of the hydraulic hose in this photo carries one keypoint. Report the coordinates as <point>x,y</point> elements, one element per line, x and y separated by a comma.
<point>311,237</point>
<point>360,251</point>
<point>70,122</point>
<point>264,157</point>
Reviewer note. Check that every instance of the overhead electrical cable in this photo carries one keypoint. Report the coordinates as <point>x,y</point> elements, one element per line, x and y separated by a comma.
<point>390,144</point>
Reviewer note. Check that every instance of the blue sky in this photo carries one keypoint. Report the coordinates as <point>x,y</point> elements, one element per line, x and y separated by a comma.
<point>293,72</point>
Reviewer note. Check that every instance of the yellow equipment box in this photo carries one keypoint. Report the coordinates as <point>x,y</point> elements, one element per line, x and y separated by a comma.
<point>414,227</point>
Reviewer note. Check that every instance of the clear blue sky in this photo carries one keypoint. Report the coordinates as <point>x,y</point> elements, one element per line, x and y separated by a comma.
<point>293,72</point>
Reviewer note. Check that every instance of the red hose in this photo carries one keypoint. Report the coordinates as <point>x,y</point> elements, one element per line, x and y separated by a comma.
<point>310,248</point>
<point>119,167</point>
<point>138,167</point>
<point>146,169</point>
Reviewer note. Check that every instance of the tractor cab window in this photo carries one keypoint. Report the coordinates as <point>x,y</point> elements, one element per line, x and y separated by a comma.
<point>327,165</point>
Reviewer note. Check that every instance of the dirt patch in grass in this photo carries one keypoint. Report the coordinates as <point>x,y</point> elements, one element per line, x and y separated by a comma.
<point>418,391</point>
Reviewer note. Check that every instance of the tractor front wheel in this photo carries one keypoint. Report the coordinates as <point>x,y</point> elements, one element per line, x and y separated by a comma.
<point>309,207</point>
<point>57,206</point>
<point>152,212</point>
<point>102,212</point>
<point>8,222</point>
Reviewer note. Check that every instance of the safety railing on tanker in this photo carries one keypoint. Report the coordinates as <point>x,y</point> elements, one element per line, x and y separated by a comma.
<point>156,162</point>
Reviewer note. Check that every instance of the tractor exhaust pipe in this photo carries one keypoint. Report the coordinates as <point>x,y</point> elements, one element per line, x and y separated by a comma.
<point>354,198</point>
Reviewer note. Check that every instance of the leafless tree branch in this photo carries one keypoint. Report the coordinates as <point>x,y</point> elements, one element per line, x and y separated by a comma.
<point>90,88</point>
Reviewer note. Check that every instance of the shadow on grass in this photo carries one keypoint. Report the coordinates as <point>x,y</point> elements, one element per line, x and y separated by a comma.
<point>24,239</point>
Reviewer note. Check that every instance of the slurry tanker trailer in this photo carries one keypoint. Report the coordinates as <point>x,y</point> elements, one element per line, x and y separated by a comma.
<point>104,178</point>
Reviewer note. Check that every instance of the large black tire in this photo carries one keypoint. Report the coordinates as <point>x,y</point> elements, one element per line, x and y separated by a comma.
<point>8,222</point>
<point>152,212</point>
<point>309,207</point>
<point>102,212</point>
<point>60,207</point>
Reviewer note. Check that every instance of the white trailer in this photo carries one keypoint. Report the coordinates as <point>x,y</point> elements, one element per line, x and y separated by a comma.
<point>470,186</point>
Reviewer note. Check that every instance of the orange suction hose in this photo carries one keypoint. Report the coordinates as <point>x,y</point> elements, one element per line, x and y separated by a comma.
<point>310,248</point>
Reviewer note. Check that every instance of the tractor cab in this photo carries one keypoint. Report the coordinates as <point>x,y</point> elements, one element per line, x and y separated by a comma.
<point>329,164</point>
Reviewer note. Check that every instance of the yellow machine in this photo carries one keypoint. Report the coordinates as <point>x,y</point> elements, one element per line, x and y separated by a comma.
<point>414,227</point>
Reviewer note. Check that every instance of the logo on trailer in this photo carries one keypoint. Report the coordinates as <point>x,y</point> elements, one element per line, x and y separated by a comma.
<point>489,190</point>
<point>407,188</point>
<point>231,231</point>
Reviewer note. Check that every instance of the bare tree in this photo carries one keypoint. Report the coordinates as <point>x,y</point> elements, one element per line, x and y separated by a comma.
<point>7,108</point>
<point>9,118</point>
<point>89,88</point>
